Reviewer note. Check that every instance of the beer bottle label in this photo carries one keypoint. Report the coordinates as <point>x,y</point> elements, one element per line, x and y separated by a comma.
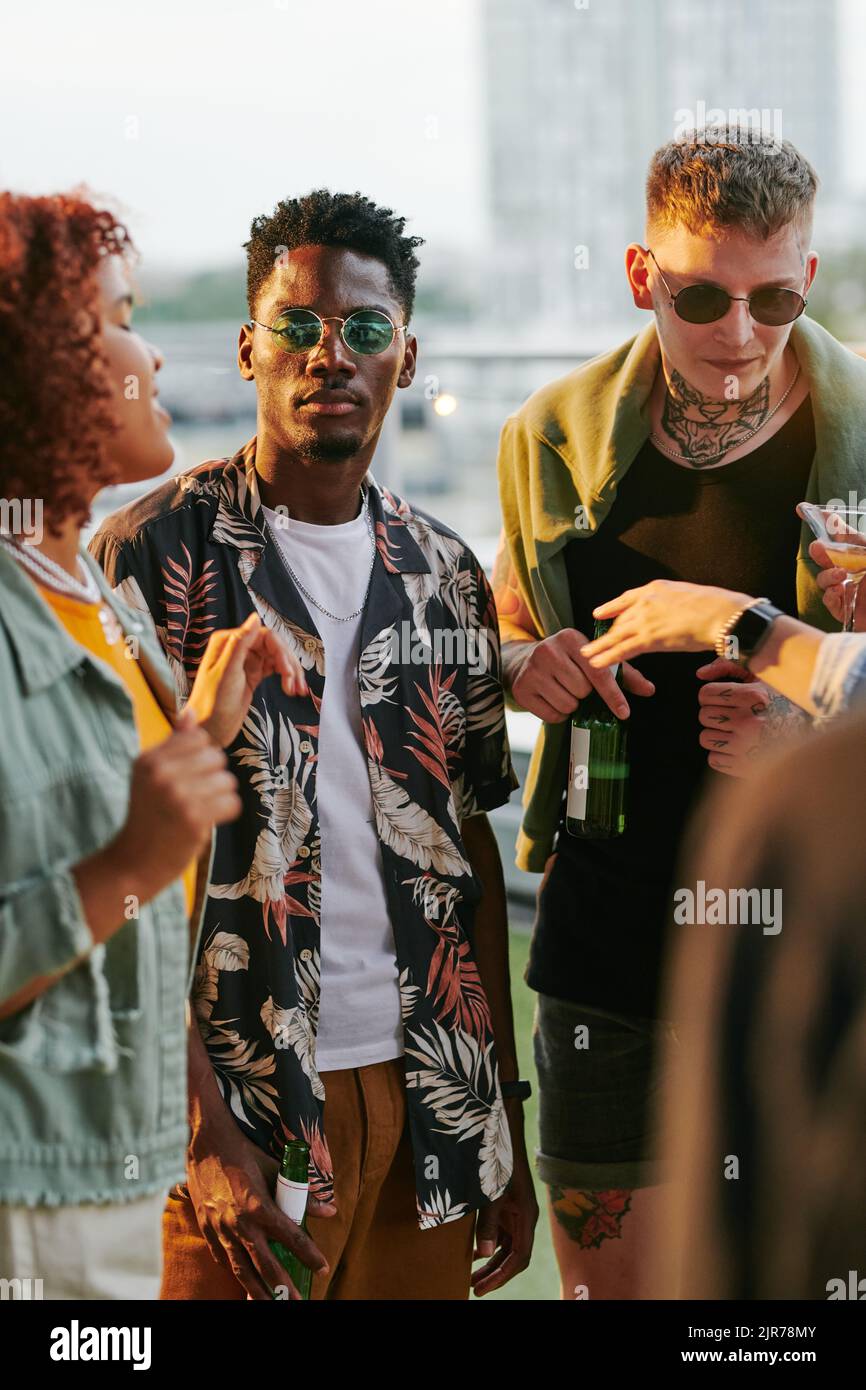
<point>578,774</point>
<point>291,1198</point>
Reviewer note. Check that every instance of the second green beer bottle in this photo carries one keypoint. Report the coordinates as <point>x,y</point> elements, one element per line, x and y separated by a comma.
<point>293,1185</point>
<point>597,766</point>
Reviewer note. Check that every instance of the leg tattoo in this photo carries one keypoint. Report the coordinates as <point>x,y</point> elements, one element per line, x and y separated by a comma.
<point>588,1218</point>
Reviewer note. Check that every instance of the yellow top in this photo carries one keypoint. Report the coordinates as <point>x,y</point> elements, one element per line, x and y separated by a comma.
<point>84,624</point>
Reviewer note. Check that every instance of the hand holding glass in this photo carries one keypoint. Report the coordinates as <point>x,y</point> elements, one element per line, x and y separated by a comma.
<point>842,532</point>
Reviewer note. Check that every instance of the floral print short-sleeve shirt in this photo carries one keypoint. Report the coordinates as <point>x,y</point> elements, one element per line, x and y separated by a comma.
<point>197,553</point>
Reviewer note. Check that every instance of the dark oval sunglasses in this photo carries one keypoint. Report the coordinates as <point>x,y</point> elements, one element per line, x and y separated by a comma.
<point>707,303</point>
<point>367,331</point>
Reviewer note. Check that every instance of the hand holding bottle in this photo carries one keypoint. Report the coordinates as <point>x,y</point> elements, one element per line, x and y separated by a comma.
<point>231,1184</point>
<point>238,1216</point>
<point>554,676</point>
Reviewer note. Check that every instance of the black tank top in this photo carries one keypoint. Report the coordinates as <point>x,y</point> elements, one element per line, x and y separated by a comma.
<point>603,914</point>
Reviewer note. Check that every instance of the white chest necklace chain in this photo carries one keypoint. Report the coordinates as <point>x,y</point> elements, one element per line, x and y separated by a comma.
<point>46,571</point>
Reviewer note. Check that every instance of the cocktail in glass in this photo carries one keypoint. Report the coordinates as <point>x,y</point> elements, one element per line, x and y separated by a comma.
<point>842,532</point>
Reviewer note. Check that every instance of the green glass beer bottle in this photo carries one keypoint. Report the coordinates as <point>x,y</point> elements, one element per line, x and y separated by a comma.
<point>597,766</point>
<point>293,1185</point>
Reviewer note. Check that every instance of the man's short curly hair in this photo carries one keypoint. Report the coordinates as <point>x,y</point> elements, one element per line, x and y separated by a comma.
<point>56,412</point>
<point>731,177</point>
<point>322,218</point>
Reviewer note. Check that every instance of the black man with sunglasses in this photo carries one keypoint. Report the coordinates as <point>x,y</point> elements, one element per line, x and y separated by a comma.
<point>680,455</point>
<point>352,986</point>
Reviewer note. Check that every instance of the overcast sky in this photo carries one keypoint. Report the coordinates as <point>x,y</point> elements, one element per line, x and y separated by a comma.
<point>239,102</point>
<point>197,114</point>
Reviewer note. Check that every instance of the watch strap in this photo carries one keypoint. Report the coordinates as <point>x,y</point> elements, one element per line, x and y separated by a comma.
<point>515,1090</point>
<point>749,628</point>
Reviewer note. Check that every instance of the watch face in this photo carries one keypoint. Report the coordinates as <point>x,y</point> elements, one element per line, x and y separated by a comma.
<point>752,627</point>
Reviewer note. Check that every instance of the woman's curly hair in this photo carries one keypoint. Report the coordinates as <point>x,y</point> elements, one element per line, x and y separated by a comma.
<point>56,412</point>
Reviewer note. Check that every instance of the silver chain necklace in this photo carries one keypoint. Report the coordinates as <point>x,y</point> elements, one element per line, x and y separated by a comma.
<point>335,617</point>
<point>689,458</point>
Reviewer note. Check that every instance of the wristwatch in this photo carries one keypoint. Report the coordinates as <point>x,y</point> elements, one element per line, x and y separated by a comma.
<point>515,1090</point>
<point>743,634</point>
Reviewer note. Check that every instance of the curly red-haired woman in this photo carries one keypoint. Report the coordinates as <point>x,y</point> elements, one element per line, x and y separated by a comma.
<point>108,796</point>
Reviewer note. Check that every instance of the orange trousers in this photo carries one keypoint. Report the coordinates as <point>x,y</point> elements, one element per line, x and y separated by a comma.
<point>374,1246</point>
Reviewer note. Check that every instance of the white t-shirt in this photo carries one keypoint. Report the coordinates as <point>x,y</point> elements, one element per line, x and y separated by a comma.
<point>359,1009</point>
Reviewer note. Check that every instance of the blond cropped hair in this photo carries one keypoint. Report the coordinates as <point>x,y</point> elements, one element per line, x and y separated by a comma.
<point>721,178</point>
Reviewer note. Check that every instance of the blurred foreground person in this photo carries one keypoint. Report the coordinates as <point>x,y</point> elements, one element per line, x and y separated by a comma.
<point>106,812</point>
<point>765,1121</point>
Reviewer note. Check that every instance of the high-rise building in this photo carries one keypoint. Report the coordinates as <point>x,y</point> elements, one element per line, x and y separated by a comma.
<point>578,94</point>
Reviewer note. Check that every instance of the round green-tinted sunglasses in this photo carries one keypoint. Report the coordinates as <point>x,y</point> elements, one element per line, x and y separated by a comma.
<point>367,331</point>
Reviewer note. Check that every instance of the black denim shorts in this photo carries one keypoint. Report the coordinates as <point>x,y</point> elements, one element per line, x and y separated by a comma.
<point>598,1096</point>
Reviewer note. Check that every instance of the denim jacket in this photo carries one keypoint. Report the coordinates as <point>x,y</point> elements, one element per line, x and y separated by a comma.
<point>93,1071</point>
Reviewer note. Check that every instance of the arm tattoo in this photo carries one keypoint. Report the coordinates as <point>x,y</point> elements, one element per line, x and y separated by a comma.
<point>516,627</point>
<point>781,717</point>
<point>505,583</point>
<point>704,438</point>
<point>515,619</point>
<point>588,1218</point>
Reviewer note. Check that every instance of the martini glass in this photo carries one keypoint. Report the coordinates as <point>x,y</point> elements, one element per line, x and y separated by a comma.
<point>842,532</point>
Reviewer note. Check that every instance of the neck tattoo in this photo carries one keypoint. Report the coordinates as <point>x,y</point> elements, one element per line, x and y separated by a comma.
<point>692,419</point>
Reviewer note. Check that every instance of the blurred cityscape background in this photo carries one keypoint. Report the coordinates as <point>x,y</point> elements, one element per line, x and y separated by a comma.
<point>570,101</point>
<point>513,134</point>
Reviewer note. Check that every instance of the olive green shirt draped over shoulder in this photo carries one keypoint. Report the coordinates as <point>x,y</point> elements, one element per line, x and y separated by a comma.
<point>561,457</point>
<point>93,1071</point>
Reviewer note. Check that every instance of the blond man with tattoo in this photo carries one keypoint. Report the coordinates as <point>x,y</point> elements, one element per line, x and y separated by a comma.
<point>680,455</point>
